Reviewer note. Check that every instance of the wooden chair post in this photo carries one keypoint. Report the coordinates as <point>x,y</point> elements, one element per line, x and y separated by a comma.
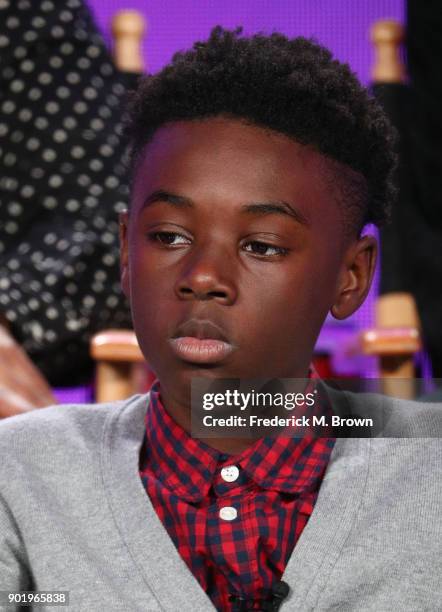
<point>396,337</point>
<point>128,29</point>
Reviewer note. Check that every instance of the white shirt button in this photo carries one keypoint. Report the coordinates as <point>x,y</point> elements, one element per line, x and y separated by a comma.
<point>228,513</point>
<point>230,473</point>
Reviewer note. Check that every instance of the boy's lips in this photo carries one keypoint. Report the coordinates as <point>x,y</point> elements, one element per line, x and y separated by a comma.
<point>200,341</point>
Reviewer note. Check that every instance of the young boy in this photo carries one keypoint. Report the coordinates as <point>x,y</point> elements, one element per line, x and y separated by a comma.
<point>256,163</point>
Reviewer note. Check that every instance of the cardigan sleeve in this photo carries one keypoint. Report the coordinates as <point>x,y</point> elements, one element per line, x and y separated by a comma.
<point>14,572</point>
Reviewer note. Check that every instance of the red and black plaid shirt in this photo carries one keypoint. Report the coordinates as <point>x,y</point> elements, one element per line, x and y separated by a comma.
<point>266,500</point>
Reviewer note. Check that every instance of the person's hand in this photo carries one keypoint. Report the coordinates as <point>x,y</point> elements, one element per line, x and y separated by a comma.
<point>22,386</point>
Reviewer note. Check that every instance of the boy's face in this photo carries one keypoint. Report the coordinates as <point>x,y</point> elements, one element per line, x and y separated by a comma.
<point>239,227</point>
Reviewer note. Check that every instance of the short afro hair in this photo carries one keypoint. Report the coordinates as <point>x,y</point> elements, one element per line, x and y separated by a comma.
<point>291,86</point>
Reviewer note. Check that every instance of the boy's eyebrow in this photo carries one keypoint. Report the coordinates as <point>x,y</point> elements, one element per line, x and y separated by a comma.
<point>255,208</point>
<point>279,207</point>
<point>170,198</point>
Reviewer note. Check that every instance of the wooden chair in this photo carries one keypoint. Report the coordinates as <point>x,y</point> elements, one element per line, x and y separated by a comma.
<point>121,369</point>
<point>396,337</point>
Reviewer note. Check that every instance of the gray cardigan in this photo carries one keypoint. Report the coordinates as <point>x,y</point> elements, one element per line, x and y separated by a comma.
<point>74,516</point>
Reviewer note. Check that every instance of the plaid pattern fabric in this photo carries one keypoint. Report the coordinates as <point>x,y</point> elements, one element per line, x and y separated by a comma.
<point>273,496</point>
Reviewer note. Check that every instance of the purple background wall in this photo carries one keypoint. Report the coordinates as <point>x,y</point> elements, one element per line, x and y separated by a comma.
<point>341,25</point>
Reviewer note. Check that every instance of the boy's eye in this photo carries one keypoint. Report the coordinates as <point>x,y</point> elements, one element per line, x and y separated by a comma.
<point>262,248</point>
<point>169,238</point>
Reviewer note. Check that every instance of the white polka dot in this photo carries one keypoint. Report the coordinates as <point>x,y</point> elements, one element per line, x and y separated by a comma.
<point>80,107</point>
<point>8,107</point>
<point>55,62</point>
<point>108,238</point>
<point>23,5</point>
<point>50,335</point>
<point>97,124</point>
<point>90,202</point>
<point>33,144</point>
<point>49,202</point>
<point>37,173</point>
<point>108,259</point>
<point>25,114</point>
<point>67,168</point>
<point>73,78</point>
<point>84,180</point>
<point>51,313</point>
<point>72,205</point>
<point>96,190</point>
<point>55,180</point>
<point>62,245</point>
<point>4,283</point>
<point>27,65</point>
<point>4,4</point>
<point>71,289</point>
<point>12,22</point>
<point>80,225</point>
<point>9,159</point>
<point>4,41</point>
<point>100,275</point>
<point>75,251</point>
<point>49,155</point>
<point>63,92</point>
<point>70,123</point>
<point>106,69</point>
<point>112,301</point>
<point>83,63</point>
<point>20,52</point>
<point>106,150</point>
<point>11,227</point>
<point>11,315</point>
<point>41,123</point>
<point>15,209</point>
<point>60,136</point>
<point>4,129</point>
<point>17,85</point>
<point>33,304</point>
<point>36,330</point>
<point>52,107</point>
<point>96,165</point>
<point>50,238</point>
<point>67,48</point>
<point>34,93</point>
<point>89,93</point>
<point>35,285</point>
<point>93,51</point>
<point>38,22</point>
<point>50,279</point>
<point>77,152</point>
<point>9,183</point>
<point>97,82</point>
<point>45,78</point>
<point>47,6</point>
<point>89,301</point>
<point>111,182</point>
<point>104,112</point>
<point>66,16</point>
<point>22,308</point>
<point>57,31</point>
<point>30,36</point>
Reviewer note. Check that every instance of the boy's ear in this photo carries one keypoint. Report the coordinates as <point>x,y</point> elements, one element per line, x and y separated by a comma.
<point>355,277</point>
<point>123,219</point>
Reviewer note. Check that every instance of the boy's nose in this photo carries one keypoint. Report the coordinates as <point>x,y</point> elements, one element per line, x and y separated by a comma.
<point>208,275</point>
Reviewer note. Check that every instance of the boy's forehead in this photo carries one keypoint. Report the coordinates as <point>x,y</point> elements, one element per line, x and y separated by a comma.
<point>226,155</point>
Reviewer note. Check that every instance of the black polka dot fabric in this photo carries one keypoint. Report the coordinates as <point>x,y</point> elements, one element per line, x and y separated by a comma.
<point>62,184</point>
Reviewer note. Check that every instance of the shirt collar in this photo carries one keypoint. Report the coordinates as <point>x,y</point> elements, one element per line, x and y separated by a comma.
<point>187,466</point>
